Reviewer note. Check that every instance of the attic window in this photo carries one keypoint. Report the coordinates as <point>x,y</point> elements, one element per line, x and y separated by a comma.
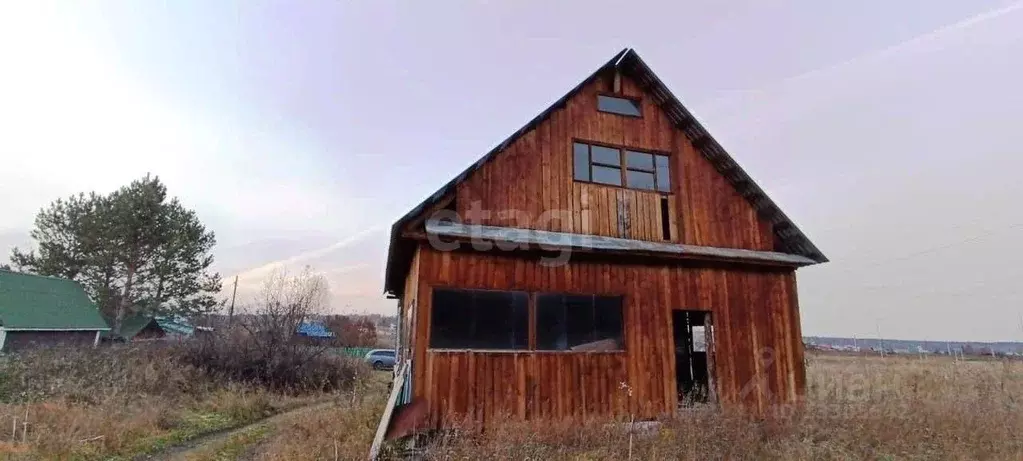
<point>620,106</point>
<point>604,165</point>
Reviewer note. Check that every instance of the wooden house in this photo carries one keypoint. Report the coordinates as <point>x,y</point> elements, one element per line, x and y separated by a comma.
<point>146,327</point>
<point>40,311</point>
<point>609,258</point>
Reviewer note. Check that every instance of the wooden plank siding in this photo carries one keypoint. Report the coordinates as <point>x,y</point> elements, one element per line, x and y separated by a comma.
<point>530,184</point>
<point>758,350</point>
<point>407,341</point>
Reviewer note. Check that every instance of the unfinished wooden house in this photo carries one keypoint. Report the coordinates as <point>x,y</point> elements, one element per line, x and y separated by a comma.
<point>609,258</point>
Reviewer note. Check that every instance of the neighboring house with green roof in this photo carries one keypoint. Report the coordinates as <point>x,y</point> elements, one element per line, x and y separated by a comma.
<point>36,310</point>
<point>142,327</point>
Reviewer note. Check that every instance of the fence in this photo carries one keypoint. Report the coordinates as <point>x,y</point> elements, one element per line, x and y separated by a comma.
<point>356,352</point>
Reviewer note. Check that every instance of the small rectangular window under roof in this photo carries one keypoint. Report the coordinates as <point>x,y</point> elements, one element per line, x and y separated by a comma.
<point>621,106</point>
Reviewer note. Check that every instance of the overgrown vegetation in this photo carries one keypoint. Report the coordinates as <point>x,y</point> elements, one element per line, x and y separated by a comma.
<point>262,348</point>
<point>127,400</point>
<point>295,368</point>
<point>857,408</point>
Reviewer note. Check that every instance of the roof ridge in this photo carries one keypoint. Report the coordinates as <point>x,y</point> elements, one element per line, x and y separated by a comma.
<point>629,62</point>
<point>29,274</point>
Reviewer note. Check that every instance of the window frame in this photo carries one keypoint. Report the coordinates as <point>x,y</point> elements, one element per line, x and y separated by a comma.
<point>623,165</point>
<point>531,307</point>
<point>637,100</point>
<point>432,311</point>
<point>534,299</point>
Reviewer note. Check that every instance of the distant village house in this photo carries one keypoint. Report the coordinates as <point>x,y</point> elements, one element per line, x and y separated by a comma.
<point>144,327</point>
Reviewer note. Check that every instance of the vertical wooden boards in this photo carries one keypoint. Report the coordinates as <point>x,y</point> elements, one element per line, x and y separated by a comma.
<point>753,311</point>
<point>712,212</point>
<point>795,336</point>
<point>534,175</point>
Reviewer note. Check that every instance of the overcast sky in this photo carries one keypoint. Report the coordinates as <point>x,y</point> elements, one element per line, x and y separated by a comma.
<point>890,131</point>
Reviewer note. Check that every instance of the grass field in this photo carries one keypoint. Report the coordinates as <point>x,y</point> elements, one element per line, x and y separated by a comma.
<point>857,408</point>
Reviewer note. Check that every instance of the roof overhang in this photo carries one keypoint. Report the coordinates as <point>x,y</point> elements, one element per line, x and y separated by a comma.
<point>529,239</point>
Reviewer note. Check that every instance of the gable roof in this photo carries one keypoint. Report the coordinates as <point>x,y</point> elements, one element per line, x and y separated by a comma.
<point>133,325</point>
<point>629,64</point>
<point>36,302</point>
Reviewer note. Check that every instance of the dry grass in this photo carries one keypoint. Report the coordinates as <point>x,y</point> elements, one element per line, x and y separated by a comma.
<point>343,432</point>
<point>119,402</point>
<point>857,408</point>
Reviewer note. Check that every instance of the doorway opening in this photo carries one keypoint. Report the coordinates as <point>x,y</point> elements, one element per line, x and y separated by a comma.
<point>693,340</point>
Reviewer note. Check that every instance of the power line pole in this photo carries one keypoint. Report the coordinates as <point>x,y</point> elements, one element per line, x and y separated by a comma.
<point>230,310</point>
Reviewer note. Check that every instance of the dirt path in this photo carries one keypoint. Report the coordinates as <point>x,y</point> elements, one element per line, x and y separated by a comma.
<point>215,440</point>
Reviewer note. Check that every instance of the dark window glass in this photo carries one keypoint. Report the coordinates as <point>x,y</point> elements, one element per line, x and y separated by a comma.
<point>607,318</point>
<point>582,161</point>
<point>621,106</point>
<point>663,174</point>
<point>639,161</point>
<point>479,319</point>
<point>550,323</point>
<point>640,180</point>
<point>606,155</point>
<point>665,219</point>
<point>604,165</point>
<point>450,326</point>
<point>607,175</point>
<point>564,322</point>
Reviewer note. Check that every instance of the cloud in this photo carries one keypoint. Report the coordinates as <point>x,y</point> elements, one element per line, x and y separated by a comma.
<point>935,39</point>
<point>265,269</point>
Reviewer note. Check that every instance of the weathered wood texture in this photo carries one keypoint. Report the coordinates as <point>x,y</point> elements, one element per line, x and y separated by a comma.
<point>483,386</point>
<point>758,350</point>
<point>24,340</point>
<point>408,306</point>
<point>530,184</point>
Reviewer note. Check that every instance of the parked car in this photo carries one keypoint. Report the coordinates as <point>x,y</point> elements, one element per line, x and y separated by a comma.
<point>380,359</point>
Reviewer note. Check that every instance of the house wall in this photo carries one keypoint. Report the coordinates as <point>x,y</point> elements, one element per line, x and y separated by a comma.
<point>757,340</point>
<point>151,331</point>
<point>408,307</point>
<point>534,175</point>
<point>20,340</point>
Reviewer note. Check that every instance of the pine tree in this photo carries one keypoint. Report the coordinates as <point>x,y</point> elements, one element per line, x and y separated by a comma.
<point>134,250</point>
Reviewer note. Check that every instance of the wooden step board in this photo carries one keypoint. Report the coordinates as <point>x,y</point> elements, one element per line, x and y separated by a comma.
<point>385,419</point>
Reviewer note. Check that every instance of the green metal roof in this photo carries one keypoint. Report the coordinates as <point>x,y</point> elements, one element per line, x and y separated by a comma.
<point>36,302</point>
<point>133,325</point>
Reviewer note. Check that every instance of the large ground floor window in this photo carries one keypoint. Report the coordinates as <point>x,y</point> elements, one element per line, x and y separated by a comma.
<point>479,319</point>
<point>514,320</point>
<point>568,322</point>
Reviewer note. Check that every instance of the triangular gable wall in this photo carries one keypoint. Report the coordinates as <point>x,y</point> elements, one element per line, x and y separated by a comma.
<point>530,185</point>
<point>713,201</point>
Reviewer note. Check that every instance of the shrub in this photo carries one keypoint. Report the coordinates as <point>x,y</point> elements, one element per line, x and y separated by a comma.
<point>84,375</point>
<point>242,356</point>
